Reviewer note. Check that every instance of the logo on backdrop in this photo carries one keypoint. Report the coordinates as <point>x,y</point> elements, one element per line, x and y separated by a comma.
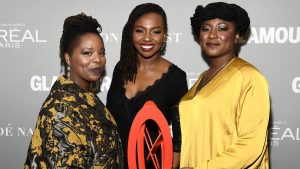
<point>280,131</point>
<point>267,35</point>
<point>44,83</point>
<point>9,130</point>
<point>13,35</point>
<point>174,37</point>
<point>274,35</point>
<point>296,85</point>
<point>192,78</point>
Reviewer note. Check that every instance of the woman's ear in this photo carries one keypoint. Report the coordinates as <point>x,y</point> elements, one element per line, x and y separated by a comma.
<point>67,59</point>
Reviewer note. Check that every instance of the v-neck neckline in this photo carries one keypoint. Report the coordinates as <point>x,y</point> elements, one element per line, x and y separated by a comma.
<point>150,87</point>
<point>212,81</point>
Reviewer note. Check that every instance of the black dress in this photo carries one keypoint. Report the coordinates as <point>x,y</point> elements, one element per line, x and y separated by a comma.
<point>166,92</point>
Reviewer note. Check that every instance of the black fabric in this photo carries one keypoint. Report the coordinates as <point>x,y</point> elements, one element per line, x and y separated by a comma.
<point>166,92</point>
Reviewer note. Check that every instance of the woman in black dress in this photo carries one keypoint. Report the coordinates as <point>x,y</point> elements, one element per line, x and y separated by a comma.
<point>143,74</point>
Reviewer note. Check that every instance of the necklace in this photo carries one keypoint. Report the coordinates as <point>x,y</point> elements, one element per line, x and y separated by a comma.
<point>207,79</point>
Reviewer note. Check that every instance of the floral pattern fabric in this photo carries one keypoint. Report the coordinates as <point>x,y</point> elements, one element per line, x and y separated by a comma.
<point>74,130</point>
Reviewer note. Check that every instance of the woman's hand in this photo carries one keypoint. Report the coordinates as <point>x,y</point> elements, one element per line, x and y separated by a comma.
<point>176,160</point>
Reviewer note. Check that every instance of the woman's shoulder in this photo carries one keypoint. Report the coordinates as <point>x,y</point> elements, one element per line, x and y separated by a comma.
<point>57,98</point>
<point>175,77</point>
<point>174,69</point>
<point>117,70</point>
<point>243,66</point>
<point>63,92</point>
<point>177,71</point>
<point>246,69</point>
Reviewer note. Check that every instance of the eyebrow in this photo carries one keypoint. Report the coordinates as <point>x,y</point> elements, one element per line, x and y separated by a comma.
<point>207,24</point>
<point>146,28</point>
<point>90,48</point>
<point>102,49</point>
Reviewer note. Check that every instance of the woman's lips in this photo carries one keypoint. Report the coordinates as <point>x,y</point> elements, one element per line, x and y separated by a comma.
<point>147,47</point>
<point>97,70</point>
<point>213,44</point>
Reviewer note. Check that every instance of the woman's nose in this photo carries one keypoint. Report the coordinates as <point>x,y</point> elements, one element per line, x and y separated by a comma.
<point>97,58</point>
<point>147,36</point>
<point>213,33</point>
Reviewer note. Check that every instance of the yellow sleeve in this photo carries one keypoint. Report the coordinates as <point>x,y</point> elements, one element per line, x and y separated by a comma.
<point>250,144</point>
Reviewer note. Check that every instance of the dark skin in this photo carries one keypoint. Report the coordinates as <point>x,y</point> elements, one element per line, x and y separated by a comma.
<point>217,40</point>
<point>87,60</point>
<point>148,36</point>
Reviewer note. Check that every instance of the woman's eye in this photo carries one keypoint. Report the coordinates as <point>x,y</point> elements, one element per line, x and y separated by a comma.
<point>204,29</point>
<point>222,28</point>
<point>156,31</point>
<point>139,31</point>
<point>87,53</point>
<point>102,53</point>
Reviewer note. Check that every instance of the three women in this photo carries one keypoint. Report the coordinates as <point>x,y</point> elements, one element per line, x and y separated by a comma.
<point>224,116</point>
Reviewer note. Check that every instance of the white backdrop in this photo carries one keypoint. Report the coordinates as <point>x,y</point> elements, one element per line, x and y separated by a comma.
<point>29,51</point>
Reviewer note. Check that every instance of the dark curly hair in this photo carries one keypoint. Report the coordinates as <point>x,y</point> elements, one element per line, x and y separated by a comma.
<point>128,57</point>
<point>220,10</point>
<point>74,27</point>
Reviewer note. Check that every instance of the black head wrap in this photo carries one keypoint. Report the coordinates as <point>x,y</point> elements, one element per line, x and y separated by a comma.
<point>220,10</point>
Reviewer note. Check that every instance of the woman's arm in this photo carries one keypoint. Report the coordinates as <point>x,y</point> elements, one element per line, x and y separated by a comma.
<point>249,146</point>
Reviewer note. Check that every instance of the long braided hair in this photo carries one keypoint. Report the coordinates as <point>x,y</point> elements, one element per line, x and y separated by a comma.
<point>128,64</point>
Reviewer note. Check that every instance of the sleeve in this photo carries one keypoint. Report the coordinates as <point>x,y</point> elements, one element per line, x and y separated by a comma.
<point>56,142</point>
<point>179,90</point>
<point>250,145</point>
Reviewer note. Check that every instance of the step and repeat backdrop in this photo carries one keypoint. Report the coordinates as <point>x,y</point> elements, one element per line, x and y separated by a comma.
<point>29,62</point>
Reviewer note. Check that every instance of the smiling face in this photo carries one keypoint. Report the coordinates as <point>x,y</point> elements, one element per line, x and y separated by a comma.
<point>148,35</point>
<point>87,60</point>
<point>217,38</point>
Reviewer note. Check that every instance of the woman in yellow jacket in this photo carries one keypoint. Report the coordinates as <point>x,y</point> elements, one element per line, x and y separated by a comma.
<point>224,116</point>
